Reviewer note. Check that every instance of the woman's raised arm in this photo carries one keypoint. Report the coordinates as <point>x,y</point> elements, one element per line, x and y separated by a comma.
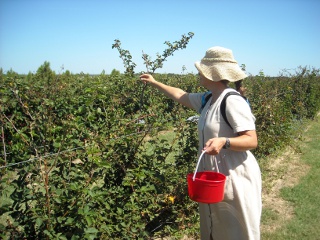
<point>174,93</point>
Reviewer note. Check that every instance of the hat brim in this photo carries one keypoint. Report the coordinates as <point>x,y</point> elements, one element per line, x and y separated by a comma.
<point>220,71</point>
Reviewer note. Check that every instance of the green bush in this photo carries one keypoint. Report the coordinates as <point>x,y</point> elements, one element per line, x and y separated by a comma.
<point>280,104</point>
<point>83,167</point>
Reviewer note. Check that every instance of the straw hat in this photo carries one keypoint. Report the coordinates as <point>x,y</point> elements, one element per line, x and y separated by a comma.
<point>219,64</point>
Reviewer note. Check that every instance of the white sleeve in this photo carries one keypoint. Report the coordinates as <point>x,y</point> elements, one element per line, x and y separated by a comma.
<point>239,114</point>
<point>195,100</point>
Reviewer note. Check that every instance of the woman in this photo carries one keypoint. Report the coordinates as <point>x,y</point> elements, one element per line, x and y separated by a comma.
<point>238,215</point>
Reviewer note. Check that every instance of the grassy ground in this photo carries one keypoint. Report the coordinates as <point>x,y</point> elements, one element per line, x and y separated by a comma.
<point>291,191</point>
<point>171,137</point>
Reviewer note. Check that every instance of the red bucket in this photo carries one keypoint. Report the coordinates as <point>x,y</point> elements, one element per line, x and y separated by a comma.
<point>207,186</point>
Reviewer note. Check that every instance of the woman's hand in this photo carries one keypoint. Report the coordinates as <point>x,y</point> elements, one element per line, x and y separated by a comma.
<point>147,78</point>
<point>174,93</point>
<point>214,145</point>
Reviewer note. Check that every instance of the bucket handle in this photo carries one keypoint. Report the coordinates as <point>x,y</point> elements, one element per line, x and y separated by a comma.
<point>195,172</point>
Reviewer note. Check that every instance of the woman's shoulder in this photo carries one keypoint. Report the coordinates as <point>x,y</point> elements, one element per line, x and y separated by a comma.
<point>196,100</point>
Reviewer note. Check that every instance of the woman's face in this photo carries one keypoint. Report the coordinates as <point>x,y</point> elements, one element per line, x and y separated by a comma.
<point>202,80</point>
<point>206,83</point>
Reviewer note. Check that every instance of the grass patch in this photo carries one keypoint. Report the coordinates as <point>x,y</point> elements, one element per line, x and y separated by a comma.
<point>304,196</point>
<point>269,215</point>
<point>165,139</point>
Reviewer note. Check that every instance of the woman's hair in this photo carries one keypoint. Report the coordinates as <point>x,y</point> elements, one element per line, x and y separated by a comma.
<point>238,84</point>
<point>225,82</point>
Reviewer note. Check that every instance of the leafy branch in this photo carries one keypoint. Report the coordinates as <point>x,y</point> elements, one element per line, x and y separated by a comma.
<point>126,58</point>
<point>151,66</point>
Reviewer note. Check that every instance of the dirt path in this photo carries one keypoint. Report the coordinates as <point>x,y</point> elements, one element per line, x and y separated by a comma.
<point>284,171</point>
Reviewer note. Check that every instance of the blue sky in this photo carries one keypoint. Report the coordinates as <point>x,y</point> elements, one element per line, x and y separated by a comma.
<point>269,35</point>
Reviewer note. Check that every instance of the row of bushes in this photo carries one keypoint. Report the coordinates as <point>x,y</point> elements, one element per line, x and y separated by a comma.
<point>280,104</point>
<point>79,164</point>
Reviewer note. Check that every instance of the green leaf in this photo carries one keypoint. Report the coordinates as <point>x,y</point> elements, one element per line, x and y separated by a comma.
<point>69,221</point>
<point>57,144</point>
<point>39,222</point>
<point>91,230</point>
<point>89,220</point>
<point>47,233</point>
<point>107,206</point>
<point>119,211</point>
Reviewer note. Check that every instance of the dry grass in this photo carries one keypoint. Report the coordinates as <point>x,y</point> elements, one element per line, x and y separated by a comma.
<point>283,171</point>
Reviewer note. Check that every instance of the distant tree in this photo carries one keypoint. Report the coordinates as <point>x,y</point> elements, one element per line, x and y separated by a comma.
<point>67,73</point>
<point>115,72</point>
<point>12,73</point>
<point>183,69</point>
<point>45,73</point>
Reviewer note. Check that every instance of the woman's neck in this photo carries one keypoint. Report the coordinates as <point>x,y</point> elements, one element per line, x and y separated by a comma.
<point>216,88</point>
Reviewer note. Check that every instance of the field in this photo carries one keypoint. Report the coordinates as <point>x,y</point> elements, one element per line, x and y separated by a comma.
<point>290,197</point>
<point>85,157</point>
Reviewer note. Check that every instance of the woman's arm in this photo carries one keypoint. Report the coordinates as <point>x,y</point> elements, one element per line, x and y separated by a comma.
<point>246,140</point>
<point>175,94</point>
